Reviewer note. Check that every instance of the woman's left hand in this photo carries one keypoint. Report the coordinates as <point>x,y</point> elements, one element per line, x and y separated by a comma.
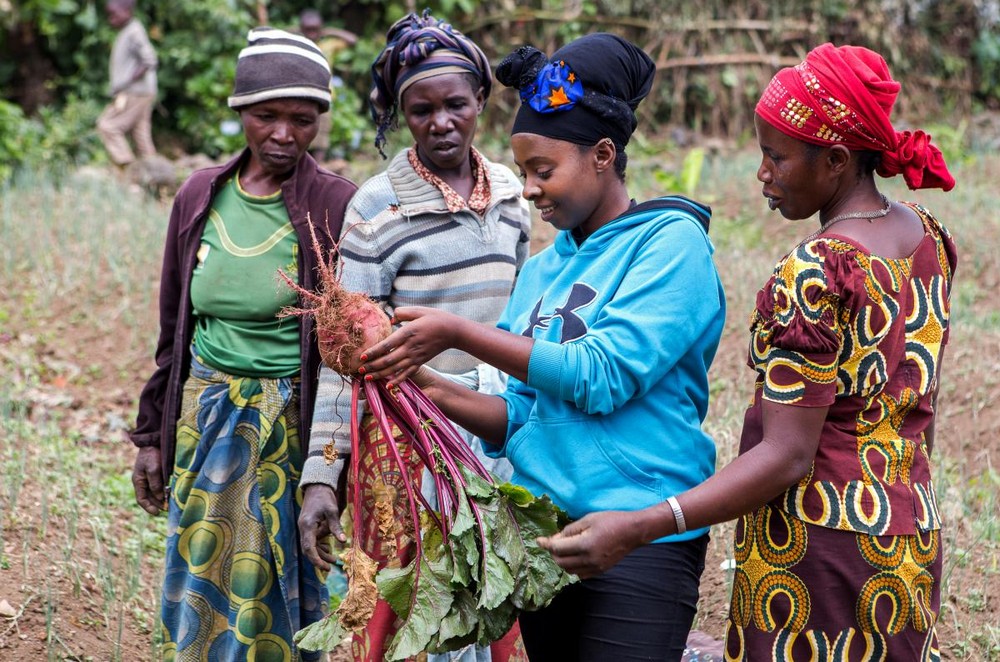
<point>427,333</point>
<point>593,544</point>
<point>319,518</point>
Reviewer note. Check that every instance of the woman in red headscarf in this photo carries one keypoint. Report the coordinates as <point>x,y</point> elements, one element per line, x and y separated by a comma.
<point>837,547</point>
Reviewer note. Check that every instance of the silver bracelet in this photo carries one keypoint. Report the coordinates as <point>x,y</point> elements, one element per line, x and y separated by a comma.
<point>678,514</point>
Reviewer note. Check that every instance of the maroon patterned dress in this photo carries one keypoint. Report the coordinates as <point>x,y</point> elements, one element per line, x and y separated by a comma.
<point>846,565</point>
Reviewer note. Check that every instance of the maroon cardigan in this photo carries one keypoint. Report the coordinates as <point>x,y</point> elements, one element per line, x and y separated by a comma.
<point>311,192</point>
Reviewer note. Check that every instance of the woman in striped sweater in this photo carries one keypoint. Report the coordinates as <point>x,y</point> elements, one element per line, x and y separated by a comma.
<point>441,227</point>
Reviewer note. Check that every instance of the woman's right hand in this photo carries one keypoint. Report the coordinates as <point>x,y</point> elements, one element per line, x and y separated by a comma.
<point>427,333</point>
<point>591,545</point>
<point>147,480</point>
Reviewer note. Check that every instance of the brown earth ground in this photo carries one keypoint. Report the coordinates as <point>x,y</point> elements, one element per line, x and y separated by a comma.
<point>82,628</point>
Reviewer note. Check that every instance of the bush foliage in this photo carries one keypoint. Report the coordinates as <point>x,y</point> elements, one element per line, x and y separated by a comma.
<point>713,58</point>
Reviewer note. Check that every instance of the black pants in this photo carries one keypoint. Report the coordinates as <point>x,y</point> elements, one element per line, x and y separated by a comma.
<point>641,609</point>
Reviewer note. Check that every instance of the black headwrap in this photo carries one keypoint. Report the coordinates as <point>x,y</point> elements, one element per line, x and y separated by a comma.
<point>418,47</point>
<point>588,90</point>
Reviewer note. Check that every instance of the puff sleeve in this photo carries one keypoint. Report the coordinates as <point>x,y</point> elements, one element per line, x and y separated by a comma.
<point>797,328</point>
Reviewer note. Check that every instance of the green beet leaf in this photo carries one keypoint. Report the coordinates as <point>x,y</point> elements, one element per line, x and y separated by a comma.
<point>464,520</point>
<point>464,549</point>
<point>507,542</point>
<point>541,578</point>
<point>433,544</point>
<point>496,581</point>
<point>432,602</point>
<point>395,585</point>
<point>518,495</point>
<point>458,628</point>
<point>495,623</point>
<point>475,486</point>
<point>323,635</point>
<point>465,593</point>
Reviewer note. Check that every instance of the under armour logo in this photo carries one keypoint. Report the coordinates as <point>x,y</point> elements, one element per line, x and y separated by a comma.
<point>573,326</point>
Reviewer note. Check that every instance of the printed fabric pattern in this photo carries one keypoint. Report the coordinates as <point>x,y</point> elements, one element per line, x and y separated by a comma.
<point>838,327</point>
<point>236,586</point>
<point>807,592</point>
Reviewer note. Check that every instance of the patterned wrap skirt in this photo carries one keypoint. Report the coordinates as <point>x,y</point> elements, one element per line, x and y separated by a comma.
<point>236,586</point>
<point>810,593</point>
<point>391,544</point>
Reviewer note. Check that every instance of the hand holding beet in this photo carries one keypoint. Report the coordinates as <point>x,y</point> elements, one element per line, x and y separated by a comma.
<point>476,562</point>
<point>426,332</point>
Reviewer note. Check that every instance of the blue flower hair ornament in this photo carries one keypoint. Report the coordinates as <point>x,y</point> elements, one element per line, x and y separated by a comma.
<point>554,87</point>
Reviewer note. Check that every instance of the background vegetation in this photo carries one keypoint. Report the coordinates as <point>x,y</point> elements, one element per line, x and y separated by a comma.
<point>713,57</point>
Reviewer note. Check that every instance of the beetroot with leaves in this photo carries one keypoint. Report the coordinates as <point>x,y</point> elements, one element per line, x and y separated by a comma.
<point>476,563</point>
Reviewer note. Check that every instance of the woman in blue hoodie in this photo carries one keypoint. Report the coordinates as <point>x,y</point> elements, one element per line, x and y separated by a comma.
<point>608,338</point>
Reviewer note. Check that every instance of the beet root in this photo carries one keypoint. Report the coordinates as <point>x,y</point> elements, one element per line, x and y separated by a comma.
<point>346,322</point>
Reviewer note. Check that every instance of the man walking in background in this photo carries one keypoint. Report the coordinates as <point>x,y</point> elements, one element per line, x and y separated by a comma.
<point>133,87</point>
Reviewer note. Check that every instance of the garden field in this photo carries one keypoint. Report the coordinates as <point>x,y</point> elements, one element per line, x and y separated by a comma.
<point>79,265</point>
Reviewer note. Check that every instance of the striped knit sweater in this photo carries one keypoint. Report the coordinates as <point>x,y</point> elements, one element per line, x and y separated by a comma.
<point>402,247</point>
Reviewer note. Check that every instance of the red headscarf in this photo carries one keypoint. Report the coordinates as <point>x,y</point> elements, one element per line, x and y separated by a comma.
<point>844,96</point>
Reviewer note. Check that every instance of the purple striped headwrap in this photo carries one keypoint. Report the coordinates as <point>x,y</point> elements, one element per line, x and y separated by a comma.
<point>419,47</point>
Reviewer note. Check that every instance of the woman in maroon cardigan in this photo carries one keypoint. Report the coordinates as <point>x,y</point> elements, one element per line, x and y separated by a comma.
<point>223,421</point>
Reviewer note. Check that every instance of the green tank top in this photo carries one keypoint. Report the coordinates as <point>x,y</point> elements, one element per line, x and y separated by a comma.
<point>236,290</point>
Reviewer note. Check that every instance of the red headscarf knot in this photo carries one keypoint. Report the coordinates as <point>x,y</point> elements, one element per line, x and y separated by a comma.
<point>844,96</point>
<point>918,160</point>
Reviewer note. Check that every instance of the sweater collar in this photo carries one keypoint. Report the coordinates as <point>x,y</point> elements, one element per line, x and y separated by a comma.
<point>418,196</point>
<point>478,202</point>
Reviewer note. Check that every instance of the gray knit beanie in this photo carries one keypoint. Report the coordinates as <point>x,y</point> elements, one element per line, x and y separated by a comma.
<point>280,65</point>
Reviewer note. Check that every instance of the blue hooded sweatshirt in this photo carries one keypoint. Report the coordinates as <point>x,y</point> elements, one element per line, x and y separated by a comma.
<point>626,325</point>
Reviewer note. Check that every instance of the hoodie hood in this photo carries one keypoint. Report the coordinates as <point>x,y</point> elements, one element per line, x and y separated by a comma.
<point>566,244</point>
